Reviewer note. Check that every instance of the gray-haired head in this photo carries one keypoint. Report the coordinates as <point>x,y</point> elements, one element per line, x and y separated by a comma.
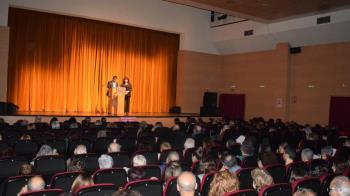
<point>45,150</point>
<point>105,161</point>
<point>340,186</point>
<point>139,160</point>
<point>189,143</point>
<point>307,154</point>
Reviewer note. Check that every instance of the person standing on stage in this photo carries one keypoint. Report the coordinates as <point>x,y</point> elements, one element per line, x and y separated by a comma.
<point>112,103</point>
<point>126,83</point>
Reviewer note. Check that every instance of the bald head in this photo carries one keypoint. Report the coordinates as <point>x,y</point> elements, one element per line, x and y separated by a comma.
<point>114,147</point>
<point>80,149</point>
<point>36,183</point>
<point>186,183</point>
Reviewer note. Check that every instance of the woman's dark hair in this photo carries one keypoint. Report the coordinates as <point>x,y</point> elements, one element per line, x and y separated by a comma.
<point>268,158</point>
<point>136,173</point>
<point>126,78</point>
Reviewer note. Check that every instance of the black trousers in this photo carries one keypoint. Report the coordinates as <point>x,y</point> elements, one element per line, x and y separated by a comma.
<point>127,103</point>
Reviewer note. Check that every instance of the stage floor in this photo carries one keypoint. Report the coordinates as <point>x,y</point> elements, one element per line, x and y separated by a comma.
<point>84,114</point>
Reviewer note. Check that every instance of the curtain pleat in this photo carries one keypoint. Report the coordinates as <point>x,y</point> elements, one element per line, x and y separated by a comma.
<point>62,64</point>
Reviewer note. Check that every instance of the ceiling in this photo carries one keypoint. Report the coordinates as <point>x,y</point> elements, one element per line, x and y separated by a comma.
<point>267,10</point>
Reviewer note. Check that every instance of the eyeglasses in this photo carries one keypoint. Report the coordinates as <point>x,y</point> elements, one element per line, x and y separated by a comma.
<point>337,190</point>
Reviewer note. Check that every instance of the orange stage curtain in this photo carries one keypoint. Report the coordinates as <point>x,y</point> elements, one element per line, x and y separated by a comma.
<point>62,63</point>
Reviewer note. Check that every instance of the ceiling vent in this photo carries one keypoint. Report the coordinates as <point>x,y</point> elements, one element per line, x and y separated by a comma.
<point>324,19</point>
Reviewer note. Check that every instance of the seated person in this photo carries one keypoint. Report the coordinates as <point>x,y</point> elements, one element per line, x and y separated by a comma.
<point>305,192</point>
<point>105,161</point>
<point>229,163</point>
<point>35,183</point>
<point>79,149</point>
<point>307,155</point>
<point>340,165</point>
<point>186,184</point>
<point>81,181</point>
<point>222,183</point>
<point>126,192</point>
<point>340,186</point>
<point>26,169</point>
<point>261,178</point>
<point>136,173</point>
<point>206,166</point>
<point>173,169</point>
<point>267,158</point>
<point>297,174</point>
<point>289,155</point>
<point>114,147</point>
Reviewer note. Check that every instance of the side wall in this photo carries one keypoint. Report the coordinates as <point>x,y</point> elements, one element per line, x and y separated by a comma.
<point>262,77</point>
<point>318,73</point>
<point>196,74</point>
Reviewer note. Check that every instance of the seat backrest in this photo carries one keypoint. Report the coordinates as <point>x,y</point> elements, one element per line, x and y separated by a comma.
<point>116,176</point>
<point>47,192</point>
<point>120,159</point>
<point>152,171</point>
<point>250,161</point>
<point>27,148</point>
<point>244,192</point>
<point>49,164</point>
<point>10,166</point>
<point>151,156</point>
<point>14,184</point>
<point>205,184</point>
<point>90,160</point>
<point>245,178</point>
<point>278,173</point>
<point>97,189</point>
<point>308,182</point>
<point>282,189</point>
<point>146,187</point>
<point>64,180</point>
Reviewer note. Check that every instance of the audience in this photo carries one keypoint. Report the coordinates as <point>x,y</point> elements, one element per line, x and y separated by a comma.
<point>105,161</point>
<point>35,183</point>
<point>261,178</point>
<point>186,184</point>
<point>215,143</point>
<point>222,183</point>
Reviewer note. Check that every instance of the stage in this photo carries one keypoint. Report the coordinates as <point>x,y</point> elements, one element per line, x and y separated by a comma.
<point>166,118</point>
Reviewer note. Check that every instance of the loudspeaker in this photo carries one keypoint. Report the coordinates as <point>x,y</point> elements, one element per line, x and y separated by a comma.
<point>209,111</point>
<point>210,99</point>
<point>175,110</point>
<point>8,108</point>
<point>295,50</point>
